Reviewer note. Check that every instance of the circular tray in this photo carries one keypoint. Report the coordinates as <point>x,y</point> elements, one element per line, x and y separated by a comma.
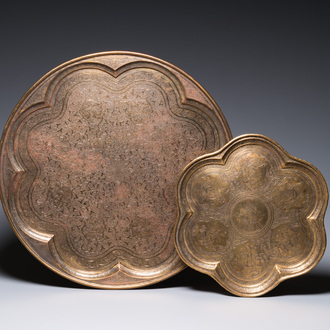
<point>251,215</point>
<point>89,161</point>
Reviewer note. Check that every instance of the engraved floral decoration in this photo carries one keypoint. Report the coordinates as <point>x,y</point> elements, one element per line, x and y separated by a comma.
<point>93,165</point>
<point>251,215</point>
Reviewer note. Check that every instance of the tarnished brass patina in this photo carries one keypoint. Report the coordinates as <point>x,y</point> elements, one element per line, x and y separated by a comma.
<point>89,162</point>
<point>251,215</point>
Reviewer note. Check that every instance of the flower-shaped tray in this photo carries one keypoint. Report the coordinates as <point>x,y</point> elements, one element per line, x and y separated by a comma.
<point>89,161</point>
<point>251,215</point>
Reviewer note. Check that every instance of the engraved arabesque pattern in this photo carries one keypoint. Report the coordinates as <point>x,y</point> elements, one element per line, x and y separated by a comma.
<point>101,165</point>
<point>246,203</point>
<point>247,214</point>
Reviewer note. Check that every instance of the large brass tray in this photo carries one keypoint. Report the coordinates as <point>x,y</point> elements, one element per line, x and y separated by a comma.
<point>89,161</point>
<point>251,215</point>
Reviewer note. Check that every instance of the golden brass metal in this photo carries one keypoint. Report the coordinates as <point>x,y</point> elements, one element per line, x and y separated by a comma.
<point>89,161</point>
<point>251,215</point>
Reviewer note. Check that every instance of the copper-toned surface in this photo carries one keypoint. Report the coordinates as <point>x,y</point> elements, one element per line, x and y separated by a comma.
<point>89,161</point>
<point>251,215</point>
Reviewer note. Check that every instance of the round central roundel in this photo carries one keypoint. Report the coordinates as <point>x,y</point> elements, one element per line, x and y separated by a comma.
<point>249,216</point>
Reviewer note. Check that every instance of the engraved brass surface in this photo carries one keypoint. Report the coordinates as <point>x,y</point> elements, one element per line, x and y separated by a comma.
<point>251,215</point>
<point>89,161</point>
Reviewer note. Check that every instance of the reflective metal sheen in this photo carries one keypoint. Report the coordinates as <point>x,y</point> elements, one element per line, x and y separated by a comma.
<point>89,162</point>
<point>251,215</point>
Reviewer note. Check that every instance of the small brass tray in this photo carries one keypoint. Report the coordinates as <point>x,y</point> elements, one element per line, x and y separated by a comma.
<point>251,215</point>
<point>89,161</point>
